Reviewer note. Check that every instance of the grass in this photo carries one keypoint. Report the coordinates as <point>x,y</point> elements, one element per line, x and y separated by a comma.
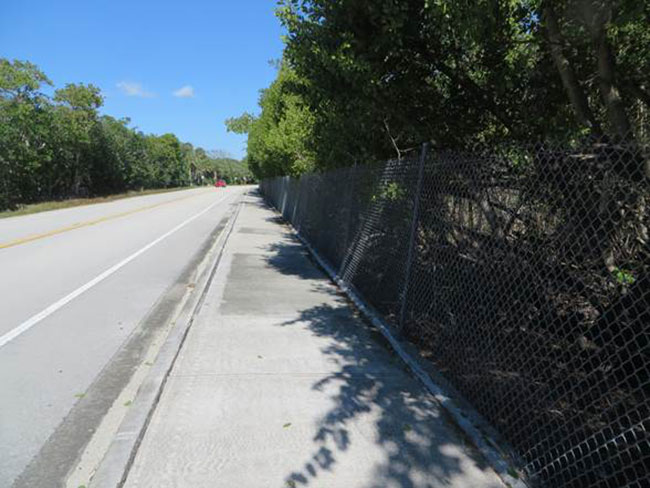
<point>77,202</point>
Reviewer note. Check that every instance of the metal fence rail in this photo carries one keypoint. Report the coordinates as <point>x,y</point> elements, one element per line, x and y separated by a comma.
<point>523,275</point>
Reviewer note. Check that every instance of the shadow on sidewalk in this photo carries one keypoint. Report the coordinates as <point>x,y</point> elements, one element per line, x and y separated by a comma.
<point>376,399</point>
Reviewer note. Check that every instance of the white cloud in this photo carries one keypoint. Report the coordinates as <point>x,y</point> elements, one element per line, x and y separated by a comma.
<point>133,89</point>
<point>186,91</point>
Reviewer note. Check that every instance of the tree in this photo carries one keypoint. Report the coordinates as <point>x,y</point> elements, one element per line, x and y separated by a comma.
<point>25,121</point>
<point>60,147</point>
<point>614,38</point>
<point>75,120</point>
<point>279,140</point>
<point>374,79</point>
<point>241,124</point>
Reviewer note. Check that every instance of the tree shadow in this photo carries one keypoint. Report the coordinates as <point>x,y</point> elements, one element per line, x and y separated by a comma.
<point>376,402</point>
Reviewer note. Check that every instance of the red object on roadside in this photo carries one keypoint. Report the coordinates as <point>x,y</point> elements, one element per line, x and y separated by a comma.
<point>220,183</point>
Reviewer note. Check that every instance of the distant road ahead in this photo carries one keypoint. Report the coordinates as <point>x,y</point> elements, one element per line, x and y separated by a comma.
<point>74,284</point>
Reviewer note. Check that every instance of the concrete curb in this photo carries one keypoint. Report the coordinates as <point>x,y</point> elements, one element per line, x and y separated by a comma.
<point>114,467</point>
<point>466,419</point>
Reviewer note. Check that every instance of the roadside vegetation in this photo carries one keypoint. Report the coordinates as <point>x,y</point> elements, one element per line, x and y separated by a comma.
<point>33,208</point>
<point>58,147</point>
<point>361,81</point>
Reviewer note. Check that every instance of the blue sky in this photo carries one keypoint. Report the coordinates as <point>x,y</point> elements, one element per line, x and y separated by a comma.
<point>181,67</point>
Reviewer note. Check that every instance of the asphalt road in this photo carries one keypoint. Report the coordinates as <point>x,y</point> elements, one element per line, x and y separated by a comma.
<point>75,285</point>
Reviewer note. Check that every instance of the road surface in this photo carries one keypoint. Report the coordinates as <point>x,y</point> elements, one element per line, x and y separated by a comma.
<point>76,286</point>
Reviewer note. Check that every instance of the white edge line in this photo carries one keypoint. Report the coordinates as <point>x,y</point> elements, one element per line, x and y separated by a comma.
<point>35,319</point>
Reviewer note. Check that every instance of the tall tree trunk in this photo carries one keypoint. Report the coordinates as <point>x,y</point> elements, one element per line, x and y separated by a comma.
<point>597,15</point>
<point>567,74</point>
<point>76,179</point>
<point>609,90</point>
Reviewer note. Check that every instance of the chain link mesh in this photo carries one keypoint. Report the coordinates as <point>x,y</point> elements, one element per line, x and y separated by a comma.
<point>526,282</point>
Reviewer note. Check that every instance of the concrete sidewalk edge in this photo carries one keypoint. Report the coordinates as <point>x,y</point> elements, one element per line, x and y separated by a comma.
<point>114,467</point>
<point>465,418</point>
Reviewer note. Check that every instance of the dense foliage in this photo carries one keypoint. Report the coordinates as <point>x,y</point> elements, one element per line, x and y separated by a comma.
<point>363,80</point>
<point>60,146</point>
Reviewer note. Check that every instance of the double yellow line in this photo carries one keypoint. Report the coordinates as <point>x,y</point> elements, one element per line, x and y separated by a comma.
<point>88,223</point>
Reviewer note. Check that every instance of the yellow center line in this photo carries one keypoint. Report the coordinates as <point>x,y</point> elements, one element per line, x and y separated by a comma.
<point>88,223</point>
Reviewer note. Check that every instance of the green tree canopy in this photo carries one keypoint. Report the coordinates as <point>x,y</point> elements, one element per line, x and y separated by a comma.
<point>374,79</point>
<point>279,140</point>
<point>60,146</point>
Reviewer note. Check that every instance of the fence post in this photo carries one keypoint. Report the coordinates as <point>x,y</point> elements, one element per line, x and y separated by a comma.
<point>412,239</point>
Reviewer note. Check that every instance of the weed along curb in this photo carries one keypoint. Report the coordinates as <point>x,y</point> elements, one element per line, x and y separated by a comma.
<point>465,418</point>
<point>114,467</point>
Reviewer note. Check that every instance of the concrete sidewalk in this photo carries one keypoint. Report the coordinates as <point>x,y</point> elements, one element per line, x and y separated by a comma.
<point>279,384</point>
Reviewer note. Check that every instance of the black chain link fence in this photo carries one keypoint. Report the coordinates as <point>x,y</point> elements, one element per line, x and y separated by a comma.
<point>523,274</point>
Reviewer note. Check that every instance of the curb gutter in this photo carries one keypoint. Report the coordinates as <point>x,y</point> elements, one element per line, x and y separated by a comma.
<point>114,467</point>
